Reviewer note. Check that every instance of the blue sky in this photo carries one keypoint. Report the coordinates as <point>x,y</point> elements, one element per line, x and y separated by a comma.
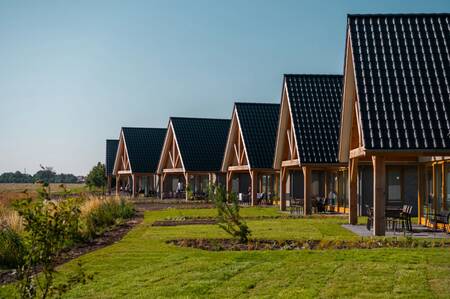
<point>73,72</point>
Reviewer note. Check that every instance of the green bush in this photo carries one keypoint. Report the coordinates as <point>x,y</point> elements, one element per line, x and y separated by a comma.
<point>11,249</point>
<point>106,213</point>
<point>228,216</point>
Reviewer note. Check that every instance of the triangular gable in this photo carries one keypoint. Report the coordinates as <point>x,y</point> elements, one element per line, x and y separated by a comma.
<point>122,162</point>
<point>351,135</point>
<point>235,150</point>
<point>171,157</point>
<point>286,148</point>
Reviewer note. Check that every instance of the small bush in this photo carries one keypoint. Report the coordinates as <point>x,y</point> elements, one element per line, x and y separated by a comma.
<point>228,216</point>
<point>11,249</point>
<point>99,213</point>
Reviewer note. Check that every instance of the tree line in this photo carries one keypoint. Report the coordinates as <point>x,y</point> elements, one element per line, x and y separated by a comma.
<point>43,175</point>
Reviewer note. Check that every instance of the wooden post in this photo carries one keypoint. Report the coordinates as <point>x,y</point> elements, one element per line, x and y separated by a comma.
<point>254,187</point>
<point>379,195</point>
<point>352,194</point>
<point>186,178</point>
<point>161,186</point>
<point>229,181</point>
<point>108,184</point>
<point>325,187</point>
<point>117,184</point>
<point>420,192</point>
<point>307,207</point>
<point>282,189</point>
<point>134,185</point>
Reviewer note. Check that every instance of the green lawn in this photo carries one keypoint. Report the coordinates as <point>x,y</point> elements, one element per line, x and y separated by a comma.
<point>142,265</point>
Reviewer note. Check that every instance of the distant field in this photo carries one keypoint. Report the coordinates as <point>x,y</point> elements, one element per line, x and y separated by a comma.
<point>10,192</point>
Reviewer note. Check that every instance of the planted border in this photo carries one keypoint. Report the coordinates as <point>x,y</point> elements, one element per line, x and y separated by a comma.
<point>265,244</point>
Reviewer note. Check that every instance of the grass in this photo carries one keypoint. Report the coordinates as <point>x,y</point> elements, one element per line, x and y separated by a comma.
<point>11,192</point>
<point>142,265</point>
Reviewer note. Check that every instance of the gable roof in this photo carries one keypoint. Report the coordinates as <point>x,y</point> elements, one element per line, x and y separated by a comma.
<point>201,142</point>
<point>111,151</point>
<point>315,106</point>
<point>402,72</point>
<point>144,147</point>
<point>258,123</point>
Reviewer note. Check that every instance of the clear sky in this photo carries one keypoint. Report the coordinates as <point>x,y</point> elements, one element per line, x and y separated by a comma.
<point>73,72</point>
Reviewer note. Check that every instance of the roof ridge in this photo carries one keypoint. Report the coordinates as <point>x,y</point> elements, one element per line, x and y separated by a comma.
<point>399,14</point>
<point>315,75</point>
<point>255,103</point>
<point>147,128</point>
<point>199,118</point>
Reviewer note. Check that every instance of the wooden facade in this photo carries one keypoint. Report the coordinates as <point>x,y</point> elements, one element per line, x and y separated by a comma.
<point>302,180</point>
<point>388,156</point>
<point>174,173</point>
<point>241,177</point>
<point>135,179</point>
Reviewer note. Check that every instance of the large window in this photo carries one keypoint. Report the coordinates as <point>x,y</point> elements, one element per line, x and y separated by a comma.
<point>342,188</point>
<point>447,185</point>
<point>438,179</point>
<point>394,190</point>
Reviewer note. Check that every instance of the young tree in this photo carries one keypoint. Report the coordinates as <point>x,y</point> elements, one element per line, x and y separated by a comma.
<point>228,216</point>
<point>96,177</point>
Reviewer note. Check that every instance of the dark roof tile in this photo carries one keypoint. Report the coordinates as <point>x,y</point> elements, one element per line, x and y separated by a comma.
<point>201,141</point>
<point>144,147</point>
<point>259,123</point>
<point>402,64</point>
<point>315,102</point>
<point>111,151</point>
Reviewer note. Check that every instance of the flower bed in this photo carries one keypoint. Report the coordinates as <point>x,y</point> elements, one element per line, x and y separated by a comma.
<point>262,244</point>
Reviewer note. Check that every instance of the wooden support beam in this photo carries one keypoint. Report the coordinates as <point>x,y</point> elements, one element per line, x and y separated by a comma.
<point>443,182</point>
<point>229,181</point>
<point>283,178</point>
<point>161,184</point>
<point>289,163</point>
<point>173,170</point>
<point>238,168</point>
<point>379,195</point>
<point>352,193</point>
<point>134,179</point>
<point>117,184</point>
<point>186,185</point>
<point>108,184</point>
<point>420,192</point>
<point>307,206</point>
<point>254,187</point>
<point>357,152</point>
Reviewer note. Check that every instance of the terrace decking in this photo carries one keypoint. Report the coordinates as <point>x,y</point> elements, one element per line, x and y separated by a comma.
<point>419,231</point>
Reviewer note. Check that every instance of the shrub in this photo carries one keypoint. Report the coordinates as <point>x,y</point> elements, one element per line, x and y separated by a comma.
<point>49,227</point>
<point>11,251</point>
<point>228,216</point>
<point>99,213</point>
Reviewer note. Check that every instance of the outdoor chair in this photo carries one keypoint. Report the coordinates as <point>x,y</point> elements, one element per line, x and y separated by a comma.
<point>442,217</point>
<point>296,206</point>
<point>405,218</point>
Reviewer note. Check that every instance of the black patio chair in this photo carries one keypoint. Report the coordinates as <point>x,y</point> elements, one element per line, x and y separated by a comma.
<point>442,217</point>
